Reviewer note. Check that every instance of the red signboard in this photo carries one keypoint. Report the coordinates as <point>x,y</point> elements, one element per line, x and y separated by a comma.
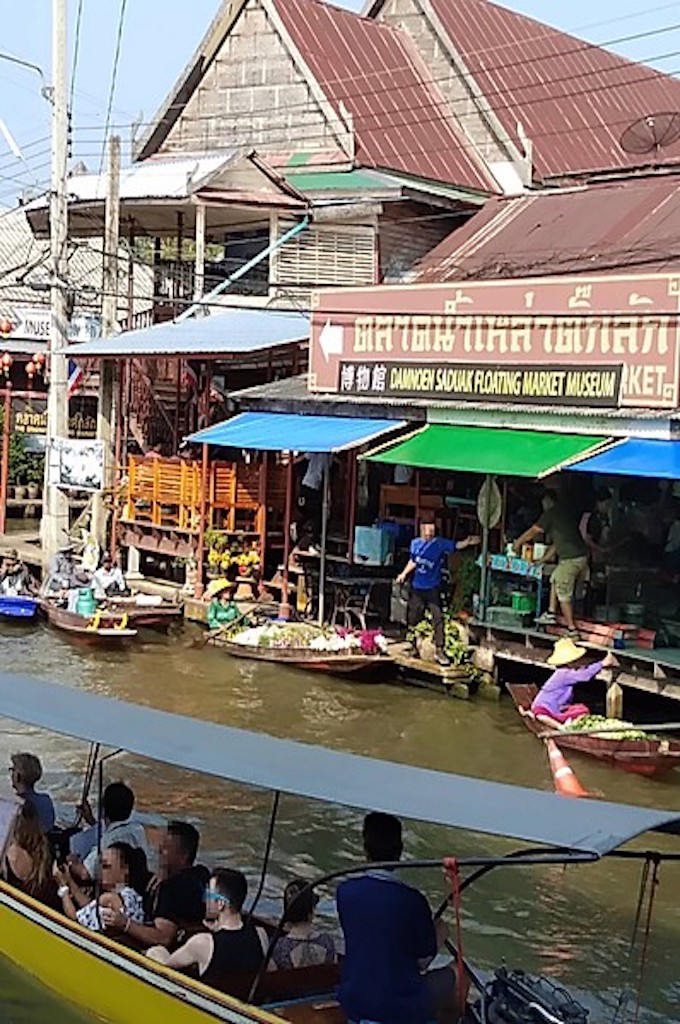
<point>601,340</point>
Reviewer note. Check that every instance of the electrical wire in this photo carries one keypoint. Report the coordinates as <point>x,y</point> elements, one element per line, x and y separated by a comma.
<point>76,53</point>
<point>114,77</point>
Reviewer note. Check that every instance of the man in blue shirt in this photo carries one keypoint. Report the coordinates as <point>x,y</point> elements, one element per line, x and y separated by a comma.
<point>390,937</point>
<point>426,561</point>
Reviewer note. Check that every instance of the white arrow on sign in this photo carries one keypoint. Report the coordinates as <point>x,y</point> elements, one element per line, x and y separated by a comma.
<point>332,339</point>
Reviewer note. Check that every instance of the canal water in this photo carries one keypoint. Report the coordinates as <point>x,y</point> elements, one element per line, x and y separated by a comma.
<point>572,925</point>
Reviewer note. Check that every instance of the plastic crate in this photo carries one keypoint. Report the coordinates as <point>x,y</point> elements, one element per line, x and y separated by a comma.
<point>523,602</point>
<point>511,618</point>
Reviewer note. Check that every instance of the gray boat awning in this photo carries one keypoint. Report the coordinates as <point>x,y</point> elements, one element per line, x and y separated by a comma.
<point>587,826</point>
<point>232,332</point>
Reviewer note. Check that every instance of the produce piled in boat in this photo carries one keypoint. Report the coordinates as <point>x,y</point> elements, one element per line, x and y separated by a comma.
<point>606,728</point>
<point>304,636</point>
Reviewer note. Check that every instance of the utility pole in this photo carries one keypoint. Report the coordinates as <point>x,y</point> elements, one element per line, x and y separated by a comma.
<point>107,367</point>
<point>55,522</point>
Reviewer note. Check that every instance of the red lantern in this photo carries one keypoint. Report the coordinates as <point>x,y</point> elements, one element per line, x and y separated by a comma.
<point>6,363</point>
<point>39,359</point>
<point>30,370</point>
<point>5,327</point>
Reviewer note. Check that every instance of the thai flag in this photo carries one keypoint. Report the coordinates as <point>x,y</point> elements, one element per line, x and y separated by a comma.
<point>189,379</point>
<point>75,378</point>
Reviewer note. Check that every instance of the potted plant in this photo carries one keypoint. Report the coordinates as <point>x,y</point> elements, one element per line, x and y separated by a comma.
<point>35,475</point>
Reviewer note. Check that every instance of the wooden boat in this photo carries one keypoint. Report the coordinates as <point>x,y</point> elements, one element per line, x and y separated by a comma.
<point>146,616</point>
<point>105,978</point>
<point>103,629</point>
<point>18,608</point>
<point>364,666</point>
<point>644,756</point>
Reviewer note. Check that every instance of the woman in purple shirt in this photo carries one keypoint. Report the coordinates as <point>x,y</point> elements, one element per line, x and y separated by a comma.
<point>554,698</point>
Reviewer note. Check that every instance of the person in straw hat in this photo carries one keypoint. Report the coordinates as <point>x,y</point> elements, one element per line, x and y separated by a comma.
<point>223,609</point>
<point>571,664</point>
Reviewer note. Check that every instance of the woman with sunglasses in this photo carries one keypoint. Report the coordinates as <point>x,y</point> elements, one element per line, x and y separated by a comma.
<point>232,945</point>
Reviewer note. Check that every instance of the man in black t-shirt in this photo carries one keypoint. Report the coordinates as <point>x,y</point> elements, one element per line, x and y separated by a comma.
<point>178,897</point>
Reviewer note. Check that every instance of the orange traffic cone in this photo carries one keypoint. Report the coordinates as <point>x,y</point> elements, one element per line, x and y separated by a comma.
<point>566,783</point>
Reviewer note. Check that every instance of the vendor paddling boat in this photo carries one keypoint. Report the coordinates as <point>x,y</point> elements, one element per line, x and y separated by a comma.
<point>646,755</point>
<point>21,609</point>
<point>102,628</point>
<point>103,976</point>
<point>311,648</point>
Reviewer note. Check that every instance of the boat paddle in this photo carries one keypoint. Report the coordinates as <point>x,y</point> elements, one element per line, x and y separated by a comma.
<point>597,729</point>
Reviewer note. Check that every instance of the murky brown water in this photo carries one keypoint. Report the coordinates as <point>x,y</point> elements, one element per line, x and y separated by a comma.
<point>572,925</point>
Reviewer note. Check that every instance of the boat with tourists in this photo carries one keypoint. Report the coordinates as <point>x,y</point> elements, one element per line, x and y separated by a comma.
<point>103,974</point>
<point>618,744</point>
<point>361,655</point>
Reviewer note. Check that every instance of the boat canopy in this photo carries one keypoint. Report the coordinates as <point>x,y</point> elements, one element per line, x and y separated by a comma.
<point>527,453</point>
<point>283,432</point>
<point>586,826</point>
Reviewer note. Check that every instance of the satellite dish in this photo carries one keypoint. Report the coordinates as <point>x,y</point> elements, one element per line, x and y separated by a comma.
<point>489,504</point>
<point>651,133</point>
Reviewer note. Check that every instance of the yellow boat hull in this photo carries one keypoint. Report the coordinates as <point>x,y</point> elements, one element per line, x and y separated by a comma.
<point>104,979</point>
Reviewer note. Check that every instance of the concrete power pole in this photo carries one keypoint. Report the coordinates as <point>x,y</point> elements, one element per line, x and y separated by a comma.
<point>55,523</point>
<point>107,374</point>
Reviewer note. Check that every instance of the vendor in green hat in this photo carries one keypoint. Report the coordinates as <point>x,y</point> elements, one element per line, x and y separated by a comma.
<point>223,609</point>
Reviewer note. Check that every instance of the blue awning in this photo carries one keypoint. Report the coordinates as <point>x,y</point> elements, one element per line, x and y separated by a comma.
<point>636,457</point>
<point>280,432</point>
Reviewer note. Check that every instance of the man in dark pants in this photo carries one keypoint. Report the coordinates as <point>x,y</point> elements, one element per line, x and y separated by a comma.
<point>426,562</point>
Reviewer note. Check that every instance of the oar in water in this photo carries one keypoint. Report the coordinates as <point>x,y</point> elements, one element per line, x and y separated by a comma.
<point>596,729</point>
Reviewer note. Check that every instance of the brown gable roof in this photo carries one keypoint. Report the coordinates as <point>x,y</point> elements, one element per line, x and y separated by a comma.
<point>573,99</point>
<point>400,118</point>
<point>623,225</point>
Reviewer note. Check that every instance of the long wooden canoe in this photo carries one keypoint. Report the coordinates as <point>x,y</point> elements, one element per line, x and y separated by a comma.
<point>367,666</point>
<point>109,632</point>
<point>643,756</point>
<point>141,616</point>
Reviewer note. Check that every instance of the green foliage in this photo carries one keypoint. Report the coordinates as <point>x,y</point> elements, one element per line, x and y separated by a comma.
<point>454,644</point>
<point>25,467</point>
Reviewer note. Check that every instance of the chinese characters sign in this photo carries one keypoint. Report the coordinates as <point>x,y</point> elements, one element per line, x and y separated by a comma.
<point>604,341</point>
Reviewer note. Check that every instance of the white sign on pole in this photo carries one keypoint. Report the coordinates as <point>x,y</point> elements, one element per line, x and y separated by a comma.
<point>76,464</point>
<point>34,324</point>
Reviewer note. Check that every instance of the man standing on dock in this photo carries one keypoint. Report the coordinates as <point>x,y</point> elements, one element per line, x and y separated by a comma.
<point>426,562</point>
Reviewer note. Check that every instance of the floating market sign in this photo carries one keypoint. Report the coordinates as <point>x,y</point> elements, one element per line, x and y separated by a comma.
<point>593,341</point>
<point>34,324</point>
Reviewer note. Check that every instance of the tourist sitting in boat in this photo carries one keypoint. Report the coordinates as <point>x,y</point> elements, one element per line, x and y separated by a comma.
<point>233,945</point>
<point>61,572</point>
<point>223,610</point>
<point>302,944</point>
<point>554,700</point>
<point>25,772</point>
<point>118,803</point>
<point>15,579</point>
<point>390,937</point>
<point>124,879</point>
<point>177,900</point>
<point>28,858</point>
<point>108,579</point>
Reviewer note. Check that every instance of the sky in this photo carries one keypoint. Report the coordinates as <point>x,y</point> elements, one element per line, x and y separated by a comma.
<point>159,37</point>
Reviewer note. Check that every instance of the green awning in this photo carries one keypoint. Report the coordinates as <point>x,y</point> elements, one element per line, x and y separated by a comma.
<point>528,453</point>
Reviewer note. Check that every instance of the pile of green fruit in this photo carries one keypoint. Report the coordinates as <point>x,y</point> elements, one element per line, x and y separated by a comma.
<point>612,728</point>
<point>454,644</point>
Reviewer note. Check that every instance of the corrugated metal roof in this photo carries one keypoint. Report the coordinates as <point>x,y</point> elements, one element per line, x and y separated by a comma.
<point>232,332</point>
<point>286,432</point>
<point>373,70</point>
<point>572,98</point>
<point>175,178</point>
<point>624,224</point>
<point>292,395</point>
